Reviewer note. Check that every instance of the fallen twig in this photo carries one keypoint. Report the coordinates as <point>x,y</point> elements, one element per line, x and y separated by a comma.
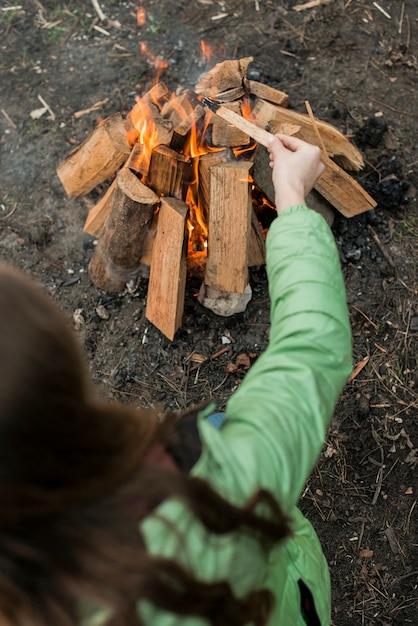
<point>98,10</point>
<point>356,371</point>
<point>8,118</point>
<point>310,5</point>
<point>95,106</point>
<point>381,246</point>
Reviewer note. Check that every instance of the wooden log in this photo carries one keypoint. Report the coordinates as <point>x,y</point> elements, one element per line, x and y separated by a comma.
<point>147,126</point>
<point>259,134</point>
<point>337,146</point>
<point>226,134</point>
<point>169,173</point>
<point>166,290</point>
<point>229,227</point>
<point>98,214</point>
<point>182,132</point>
<point>224,76</point>
<point>117,256</point>
<point>267,93</point>
<point>257,244</point>
<point>342,191</point>
<point>96,159</point>
<point>177,108</point>
<point>206,162</point>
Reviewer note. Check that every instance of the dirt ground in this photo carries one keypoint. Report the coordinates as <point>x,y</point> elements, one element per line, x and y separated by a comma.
<point>356,63</point>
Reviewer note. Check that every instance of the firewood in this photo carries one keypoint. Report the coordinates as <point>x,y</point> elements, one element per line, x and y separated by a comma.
<point>259,134</point>
<point>98,214</point>
<point>118,253</point>
<point>257,245</point>
<point>342,191</point>
<point>223,77</point>
<point>229,226</point>
<point>169,172</point>
<point>147,126</point>
<point>96,159</point>
<point>337,146</point>
<point>181,132</point>
<point>177,108</point>
<point>268,93</point>
<point>225,134</point>
<point>166,290</point>
<point>206,162</point>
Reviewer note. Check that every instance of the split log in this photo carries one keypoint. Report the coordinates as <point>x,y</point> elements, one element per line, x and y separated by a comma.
<point>342,191</point>
<point>223,77</point>
<point>206,162</point>
<point>181,132</point>
<point>166,289</point>
<point>96,159</point>
<point>98,214</point>
<point>169,173</point>
<point>117,256</point>
<point>337,146</point>
<point>226,134</point>
<point>176,109</point>
<point>268,93</point>
<point>251,129</point>
<point>229,227</point>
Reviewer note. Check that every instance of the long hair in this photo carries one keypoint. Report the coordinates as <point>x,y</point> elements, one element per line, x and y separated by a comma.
<point>74,485</point>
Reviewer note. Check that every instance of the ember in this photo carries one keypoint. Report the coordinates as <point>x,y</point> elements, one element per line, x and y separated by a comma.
<point>185,191</point>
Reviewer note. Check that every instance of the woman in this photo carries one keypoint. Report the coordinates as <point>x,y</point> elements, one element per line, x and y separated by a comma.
<point>99,525</point>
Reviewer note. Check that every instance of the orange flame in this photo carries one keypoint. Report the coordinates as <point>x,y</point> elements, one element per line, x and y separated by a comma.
<point>141,16</point>
<point>159,63</point>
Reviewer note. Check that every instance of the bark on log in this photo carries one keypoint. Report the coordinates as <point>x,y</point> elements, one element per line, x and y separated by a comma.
<point>117,256</point>
<point>97,158</point>
<point>229,227</point>
<point>166,289</point>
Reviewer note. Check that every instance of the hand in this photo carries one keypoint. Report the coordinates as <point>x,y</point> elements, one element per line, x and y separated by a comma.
<point>296,167</point>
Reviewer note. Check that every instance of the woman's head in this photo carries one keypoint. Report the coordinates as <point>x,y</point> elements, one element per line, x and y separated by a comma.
<point>58,444</point>
<point>76,478</point>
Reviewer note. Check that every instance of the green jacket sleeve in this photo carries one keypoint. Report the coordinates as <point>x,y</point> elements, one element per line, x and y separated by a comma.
<point>276,421</point>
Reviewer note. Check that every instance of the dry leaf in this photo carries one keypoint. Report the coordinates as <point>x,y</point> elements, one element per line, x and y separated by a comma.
<point>366,554</point>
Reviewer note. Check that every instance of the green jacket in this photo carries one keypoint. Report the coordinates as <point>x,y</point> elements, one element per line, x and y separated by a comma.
<point>273,431</point>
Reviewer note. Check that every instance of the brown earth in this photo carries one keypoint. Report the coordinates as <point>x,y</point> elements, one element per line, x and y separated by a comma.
<point>355,61</point>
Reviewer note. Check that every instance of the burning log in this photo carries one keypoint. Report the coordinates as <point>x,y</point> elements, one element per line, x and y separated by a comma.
<point>169,172</point>
<point>229,227</point>
<point>117,256</point>
<point>97,158</point>
<point>182,131</point>
<point>167,283</point>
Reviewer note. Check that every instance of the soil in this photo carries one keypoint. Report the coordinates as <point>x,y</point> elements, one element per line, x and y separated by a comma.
<point>355,61</point>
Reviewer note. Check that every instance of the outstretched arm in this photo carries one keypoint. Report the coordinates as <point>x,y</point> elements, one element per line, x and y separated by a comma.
<point>276,421</point>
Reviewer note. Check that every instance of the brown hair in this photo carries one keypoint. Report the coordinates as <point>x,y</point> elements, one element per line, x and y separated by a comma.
<point>74,486</point>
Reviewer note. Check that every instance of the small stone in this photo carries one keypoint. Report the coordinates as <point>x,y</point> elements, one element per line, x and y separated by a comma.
<point>363,406</point>
<point>224,303</point>
<point>78,319</point>
<point>413,324</point>
<point>102,312</point>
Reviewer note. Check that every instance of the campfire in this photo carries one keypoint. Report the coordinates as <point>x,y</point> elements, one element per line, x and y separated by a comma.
<point>188,182</point>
